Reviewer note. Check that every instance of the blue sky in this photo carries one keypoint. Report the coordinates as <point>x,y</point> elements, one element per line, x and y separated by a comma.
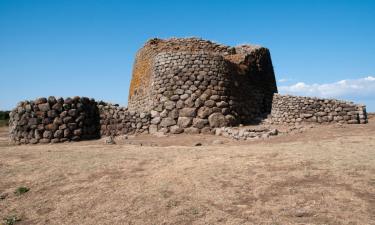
<point>87,48</point>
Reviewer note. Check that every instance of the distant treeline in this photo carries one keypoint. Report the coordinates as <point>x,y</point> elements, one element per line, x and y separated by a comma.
<point>4,115</point>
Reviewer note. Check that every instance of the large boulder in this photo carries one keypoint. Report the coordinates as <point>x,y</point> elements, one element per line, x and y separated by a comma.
<point>188,112</point>
<point>184,121</point>
<point>217,120</point>
<point>167,122</point>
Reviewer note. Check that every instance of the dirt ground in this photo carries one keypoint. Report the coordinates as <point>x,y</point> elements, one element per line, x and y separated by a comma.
<point>323,175</point>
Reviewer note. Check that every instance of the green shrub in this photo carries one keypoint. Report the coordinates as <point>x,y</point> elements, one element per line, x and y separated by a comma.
<point>11,220</point>
<point>21,190</point>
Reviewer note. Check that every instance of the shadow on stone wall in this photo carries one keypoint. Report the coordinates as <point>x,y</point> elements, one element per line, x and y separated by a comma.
<point>252,85</point>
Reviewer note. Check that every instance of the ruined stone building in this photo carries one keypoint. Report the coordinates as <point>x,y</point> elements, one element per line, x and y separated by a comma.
<point>194,78</point>
<point>181,85</point>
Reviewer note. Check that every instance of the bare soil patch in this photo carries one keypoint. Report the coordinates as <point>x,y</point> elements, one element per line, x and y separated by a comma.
<point>320,175</point>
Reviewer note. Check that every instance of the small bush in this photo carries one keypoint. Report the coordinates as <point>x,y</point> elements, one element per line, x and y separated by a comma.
<point>21,190</point>
<point>10,220</point>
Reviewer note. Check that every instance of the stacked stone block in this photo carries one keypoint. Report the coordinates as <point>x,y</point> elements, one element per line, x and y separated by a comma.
<point>287,109</point>
<point>196,85</point>
<point>188,88</point>
<point>54,120</point>
<point>181,85</point>
<point>116,120</point>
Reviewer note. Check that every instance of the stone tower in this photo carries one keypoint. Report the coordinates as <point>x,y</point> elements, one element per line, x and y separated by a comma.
<point>195,78</point>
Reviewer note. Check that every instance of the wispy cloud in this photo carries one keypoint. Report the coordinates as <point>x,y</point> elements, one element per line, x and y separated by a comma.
<point>282,80</point>
<point>350,88</point>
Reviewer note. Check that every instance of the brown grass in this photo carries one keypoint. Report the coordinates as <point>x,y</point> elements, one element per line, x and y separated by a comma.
<point>324,175</point>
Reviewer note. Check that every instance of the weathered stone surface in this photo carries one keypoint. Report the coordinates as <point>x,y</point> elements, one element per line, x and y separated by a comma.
<point>188,112</point>
<point>57,106</point>
<point>37,134</point>
<point>206,130</point>
<point>72,126</point>
<point>33,141</point>
<point>154,114</point>
<point>73,112</point>
<point>210,103</point>
<point>204,112</point>
<point>199,123</point>
<point>45,140</point>
<point>166,122</point>
<point>217,120</point>
<point>67,119</point>
<point>67,133</point>
<point>191,130</point>
<point>40,101</point>
<point>77,132</point>
<point>231,120</point>
<point>58,134</point>
<point>156,120</point>
<point>184,121</point>
<point>44,107</point>
<point>47,134</point>
<point>169,105</point>
<point>55,140</point>
<point>184,96</point>
<point>176,129</point>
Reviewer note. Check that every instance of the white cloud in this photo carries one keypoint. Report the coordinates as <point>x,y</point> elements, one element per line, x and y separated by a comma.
<point>350,88</point>
<point>282,80</point>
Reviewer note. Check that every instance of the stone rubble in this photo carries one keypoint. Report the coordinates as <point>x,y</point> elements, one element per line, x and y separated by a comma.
<point>246,133</point>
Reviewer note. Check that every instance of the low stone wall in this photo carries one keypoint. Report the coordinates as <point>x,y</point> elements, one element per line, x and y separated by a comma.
<point>116,120</point>
<point>54,120</point>
<point>287,109</point>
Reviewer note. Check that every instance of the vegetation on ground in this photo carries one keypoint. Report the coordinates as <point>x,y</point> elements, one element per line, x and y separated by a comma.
<point>10,220</point>
<point>21,190</point>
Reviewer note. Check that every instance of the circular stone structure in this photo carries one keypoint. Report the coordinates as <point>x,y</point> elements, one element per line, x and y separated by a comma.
<point>192,84</point>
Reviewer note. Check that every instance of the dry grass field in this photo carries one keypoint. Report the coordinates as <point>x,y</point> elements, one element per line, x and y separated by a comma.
<point>324,175</point>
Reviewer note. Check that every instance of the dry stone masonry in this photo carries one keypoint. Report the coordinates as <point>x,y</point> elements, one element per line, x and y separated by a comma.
<point>54,120</point>
<point>182,85</point>
<point>116,120</point>
<point>288,109</point>
<point>192,85</point>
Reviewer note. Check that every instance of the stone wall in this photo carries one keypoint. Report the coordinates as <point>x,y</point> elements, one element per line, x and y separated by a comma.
<point>196,84</point>
<point>143,76</point>
<point>181,85</point>
<point>54,120</point>
<point>140,85</point>
<point>288,109</point>
<point>116,120</point>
